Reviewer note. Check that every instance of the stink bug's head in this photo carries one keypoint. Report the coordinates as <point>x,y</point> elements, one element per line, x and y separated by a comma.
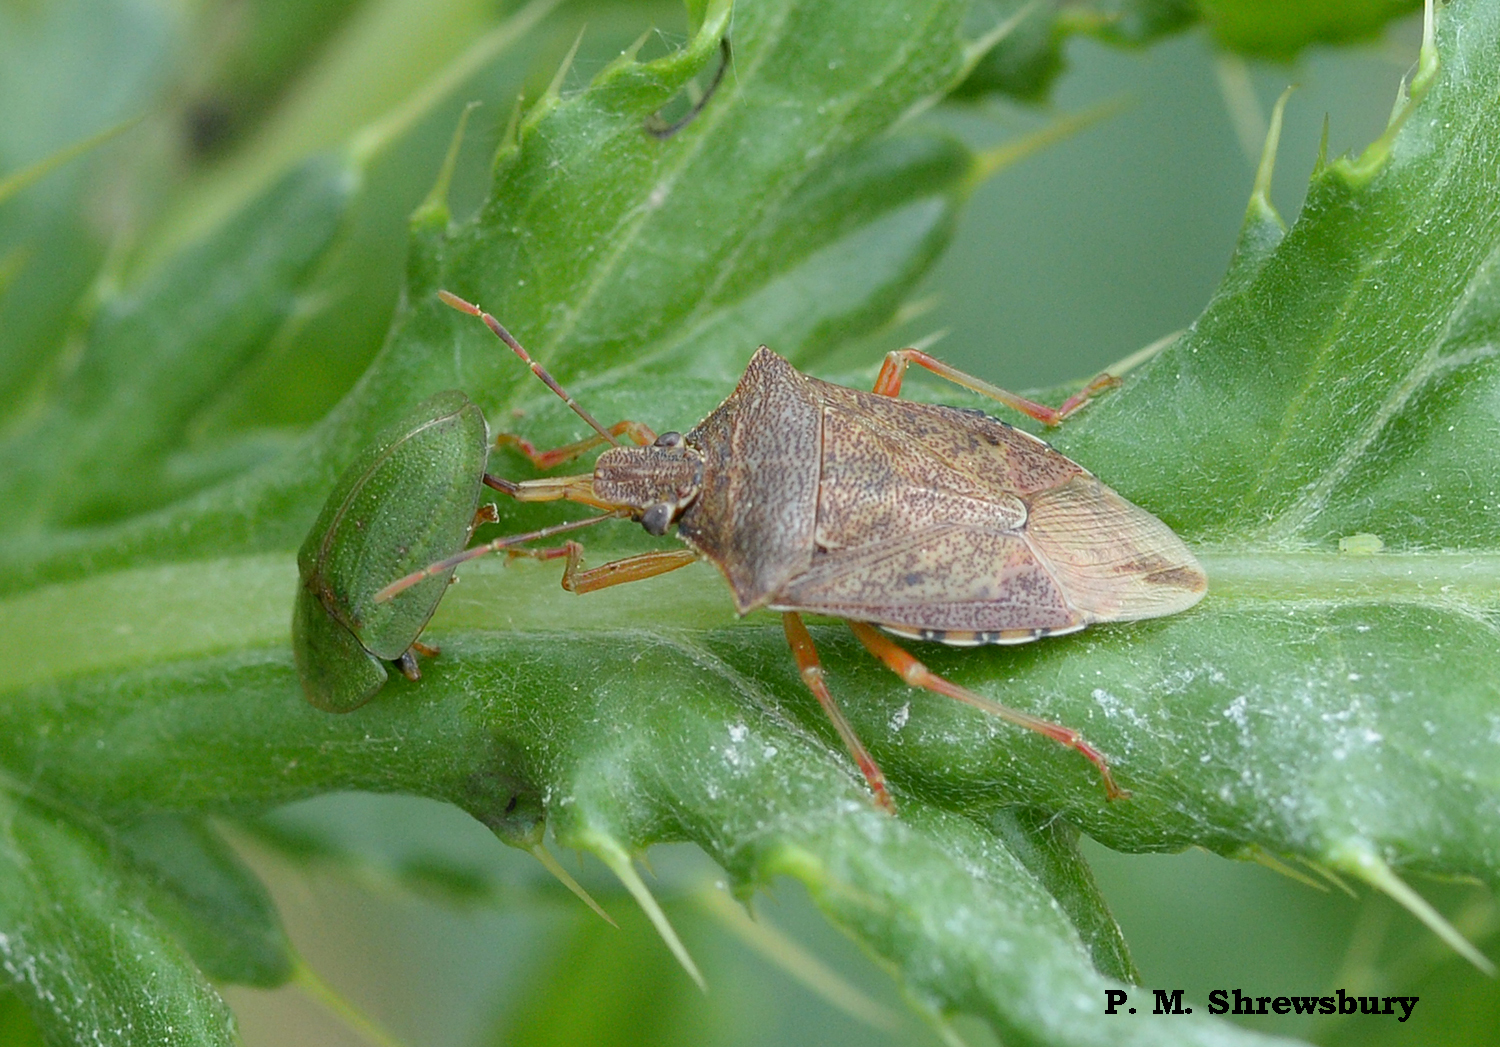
<point>655,482</point>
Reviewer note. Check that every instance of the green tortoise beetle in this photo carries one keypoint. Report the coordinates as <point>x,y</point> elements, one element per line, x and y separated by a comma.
<point>917,520</point>
<point>409,498</point>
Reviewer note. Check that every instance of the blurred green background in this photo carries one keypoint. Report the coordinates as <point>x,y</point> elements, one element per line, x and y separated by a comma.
<point>1068,261</point>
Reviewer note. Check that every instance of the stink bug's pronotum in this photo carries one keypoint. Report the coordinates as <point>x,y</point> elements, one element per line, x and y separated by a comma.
<point>408,499</point>
<point>927,522</point>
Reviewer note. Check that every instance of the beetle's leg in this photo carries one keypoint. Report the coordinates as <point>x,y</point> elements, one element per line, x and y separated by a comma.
<point>637,432</point>
<point>918,675</point>
<point>812,675</point>
<point>889,384</point>
<point>617,572</point>
<point>406,664</point>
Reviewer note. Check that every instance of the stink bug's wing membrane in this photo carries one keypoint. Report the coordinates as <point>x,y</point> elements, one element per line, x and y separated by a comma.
<point>1116,561</point>
<point>945,578</point>
<point>1110,559</point>
<point>1113,560</point>
<point>1084,555</point>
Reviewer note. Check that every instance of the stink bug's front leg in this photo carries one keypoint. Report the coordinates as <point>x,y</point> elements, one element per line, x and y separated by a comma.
<point>400,585</point>
<point>578,489</point>
<point>918,675</point>
<point>812,675</point>
<point>888,383</point>
<point>616,572</point>
<point>638,433</point>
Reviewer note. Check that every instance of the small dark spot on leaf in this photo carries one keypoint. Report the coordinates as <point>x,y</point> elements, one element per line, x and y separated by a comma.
<point>209,126</point>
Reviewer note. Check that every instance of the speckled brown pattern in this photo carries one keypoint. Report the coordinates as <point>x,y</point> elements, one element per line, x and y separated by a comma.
<point>762,451</point>
<point>938,523</point>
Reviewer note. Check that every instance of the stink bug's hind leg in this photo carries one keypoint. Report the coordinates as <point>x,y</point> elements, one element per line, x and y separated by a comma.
<point>636,432</point>
<point>918,675</point>
<point>812,675</point>
<point>617,572</point>
<point>891,372</point>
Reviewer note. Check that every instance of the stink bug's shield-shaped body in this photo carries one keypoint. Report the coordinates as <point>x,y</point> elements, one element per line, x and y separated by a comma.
<point>931,522</point>
<point>408,499</point>
<point>928,522</point>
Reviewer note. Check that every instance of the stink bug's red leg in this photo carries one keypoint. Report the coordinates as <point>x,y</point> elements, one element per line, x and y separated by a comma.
<point>812,675</point>
<point>553,552</point>
<point>891,372</point>
<point>636,432</point>
<point>617,572</point>
<point>918,675</point>
<point>400,585</point>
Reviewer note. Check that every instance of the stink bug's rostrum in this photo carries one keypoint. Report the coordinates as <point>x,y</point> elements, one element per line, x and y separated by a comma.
<point>926,522</point>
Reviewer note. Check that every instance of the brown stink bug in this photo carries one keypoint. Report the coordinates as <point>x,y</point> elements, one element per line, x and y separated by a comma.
<point>928,522</point>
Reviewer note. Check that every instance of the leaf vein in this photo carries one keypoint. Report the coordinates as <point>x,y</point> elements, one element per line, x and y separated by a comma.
<point>1432,363</point>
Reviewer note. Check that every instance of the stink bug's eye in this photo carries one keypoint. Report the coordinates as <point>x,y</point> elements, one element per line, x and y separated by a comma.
<point>657,519</point>
<point>669,440</point>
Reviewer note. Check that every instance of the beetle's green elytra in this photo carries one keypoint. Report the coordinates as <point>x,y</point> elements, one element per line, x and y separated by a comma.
<point>408,499</point>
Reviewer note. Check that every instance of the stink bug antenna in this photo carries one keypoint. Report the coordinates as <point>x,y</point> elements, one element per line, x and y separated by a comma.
<point>450,299</point>
<point>400,585</point>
